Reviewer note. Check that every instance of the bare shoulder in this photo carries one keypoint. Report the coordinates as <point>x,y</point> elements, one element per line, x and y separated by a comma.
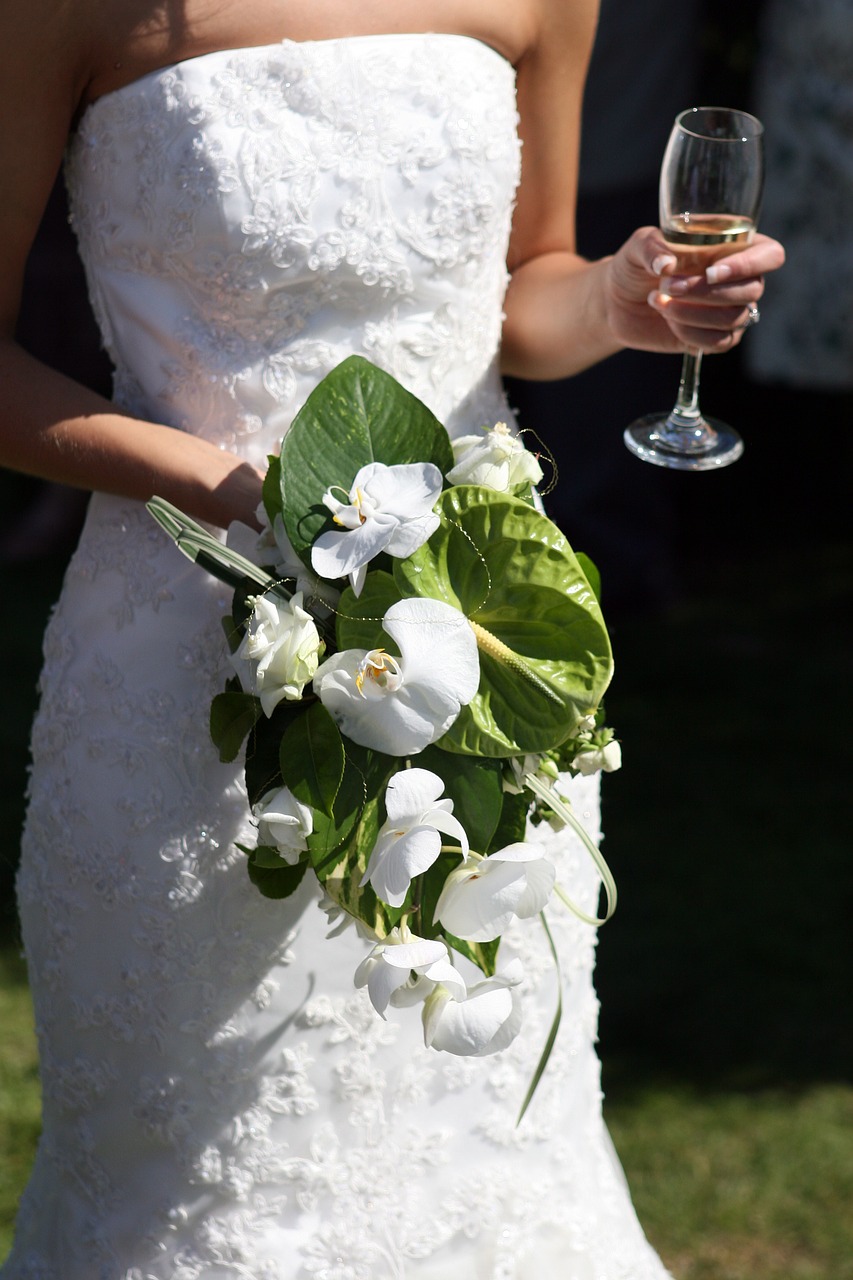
<point>45,49</point>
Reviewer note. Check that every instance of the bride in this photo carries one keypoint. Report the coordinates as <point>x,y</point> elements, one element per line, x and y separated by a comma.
<point>260,189</point>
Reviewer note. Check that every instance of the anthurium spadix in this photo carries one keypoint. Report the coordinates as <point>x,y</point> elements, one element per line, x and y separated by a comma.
<point>409,842</point>
<point>478,901</point>
<point>387,509</point>
<point>401,705</point>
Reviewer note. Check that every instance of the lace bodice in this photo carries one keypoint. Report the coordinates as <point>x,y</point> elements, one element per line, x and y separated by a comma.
<point>220,1103</point>
<point>271,205</point>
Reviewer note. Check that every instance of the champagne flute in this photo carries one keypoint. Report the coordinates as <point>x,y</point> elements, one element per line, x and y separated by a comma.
<point>711,183</point>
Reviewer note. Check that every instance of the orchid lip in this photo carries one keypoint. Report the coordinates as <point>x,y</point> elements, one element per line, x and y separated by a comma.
<point>381,668</point>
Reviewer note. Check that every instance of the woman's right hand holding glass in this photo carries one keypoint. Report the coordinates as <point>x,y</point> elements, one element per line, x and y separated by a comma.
<point>651,307</point>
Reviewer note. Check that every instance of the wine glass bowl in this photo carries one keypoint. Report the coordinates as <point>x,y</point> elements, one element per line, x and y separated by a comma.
<point>711,184</point>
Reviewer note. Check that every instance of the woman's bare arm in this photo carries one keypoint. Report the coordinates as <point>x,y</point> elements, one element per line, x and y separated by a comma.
<point>50,426</point>
<point>563,313</point>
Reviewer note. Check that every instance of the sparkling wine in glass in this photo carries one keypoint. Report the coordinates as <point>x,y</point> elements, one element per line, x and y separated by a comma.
<point>711,183</point>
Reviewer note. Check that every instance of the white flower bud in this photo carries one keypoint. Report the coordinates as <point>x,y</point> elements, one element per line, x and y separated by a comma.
<point>279,652</point>
<point>284,823</point>
<point>497,460</point>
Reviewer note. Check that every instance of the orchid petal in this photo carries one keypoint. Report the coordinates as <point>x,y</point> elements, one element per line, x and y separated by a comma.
<point>410,793</point>
<point>438,646</point>
<point>382,981</point>
<point>334,555</point>
<point>541,876</point>
<point>468,1027</point>
<point>479,907</point>
<point>485,1022</point>
<point>391,870</point>
<point>390,964</point>
<point>357,578</point>
<point>420,953</point>
<point>444,821</point>
<point>406,490</point>
<point>479,903</point>
<point>408,536</point>
<point>439,673</point>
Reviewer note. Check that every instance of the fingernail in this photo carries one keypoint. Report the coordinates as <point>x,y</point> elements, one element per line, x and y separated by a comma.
<point>673,285</point>
<point>663,262</point>
<point>716,272</point>
<point>657,300</point>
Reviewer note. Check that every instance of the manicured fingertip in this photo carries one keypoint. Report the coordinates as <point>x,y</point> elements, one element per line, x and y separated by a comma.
<point>717,272</point>
<point>656,300</point>
<point>663,262</point>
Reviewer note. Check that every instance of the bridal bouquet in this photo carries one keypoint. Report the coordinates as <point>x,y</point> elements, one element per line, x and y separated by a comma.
<point>418,653</point>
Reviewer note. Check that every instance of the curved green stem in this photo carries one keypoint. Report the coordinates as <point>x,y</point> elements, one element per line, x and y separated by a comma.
<point>564,811</point>
<point>555,1027</point>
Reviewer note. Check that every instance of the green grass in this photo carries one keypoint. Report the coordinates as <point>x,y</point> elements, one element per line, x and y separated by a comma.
<point>742,1186</point>
<point>19,1091</point>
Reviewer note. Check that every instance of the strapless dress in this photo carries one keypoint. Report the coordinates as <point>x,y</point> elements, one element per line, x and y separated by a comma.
<point>219,1100</point>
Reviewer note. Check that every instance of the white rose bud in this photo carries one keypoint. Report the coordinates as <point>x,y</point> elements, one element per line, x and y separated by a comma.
<point>497,460</point>
<point>608,758</point>
<point>279,652</point>
<point>284,823</point>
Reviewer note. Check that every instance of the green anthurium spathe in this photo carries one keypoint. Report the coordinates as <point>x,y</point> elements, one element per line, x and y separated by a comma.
<point>545,658</point>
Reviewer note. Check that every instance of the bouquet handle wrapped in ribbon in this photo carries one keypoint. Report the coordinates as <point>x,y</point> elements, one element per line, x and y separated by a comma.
<point>418,655</point>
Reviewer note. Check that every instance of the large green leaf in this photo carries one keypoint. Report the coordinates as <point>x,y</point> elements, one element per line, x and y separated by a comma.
<point>340,847</point>
<point>274,877</point>
<point>233,715</point>
<point>512,826</point>
<point>312,758</point>
<point>356,415</point>
<point>263,772</point>
<point>272,488</point>
<point>359,618</point>
<point>544,651</point>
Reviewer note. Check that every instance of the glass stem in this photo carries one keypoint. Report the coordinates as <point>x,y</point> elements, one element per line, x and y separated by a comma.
<point>687,404</point>
<point>685,430</point>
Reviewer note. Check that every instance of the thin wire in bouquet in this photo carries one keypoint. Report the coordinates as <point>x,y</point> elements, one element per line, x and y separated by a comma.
<point>419,655</point>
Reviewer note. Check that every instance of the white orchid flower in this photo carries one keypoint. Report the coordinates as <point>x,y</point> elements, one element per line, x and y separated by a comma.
<point>409,841</point>
<point>284,823</point>
<point>279,653</point>
<point>387,509</point>
<point>402,962</point>
<point>496,459</point>
<point>484,1021</point>
<point>480,899</point>
<point>401,705</point>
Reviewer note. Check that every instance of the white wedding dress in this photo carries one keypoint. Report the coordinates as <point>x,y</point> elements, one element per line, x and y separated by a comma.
<point>219,1100</point>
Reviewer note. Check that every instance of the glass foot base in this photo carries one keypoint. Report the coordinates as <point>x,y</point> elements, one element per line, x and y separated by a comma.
<point>685,449</point>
